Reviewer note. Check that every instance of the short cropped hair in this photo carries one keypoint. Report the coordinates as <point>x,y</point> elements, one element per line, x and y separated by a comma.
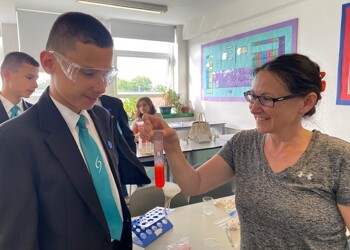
<point>72,27</point>
<point>14,60</point>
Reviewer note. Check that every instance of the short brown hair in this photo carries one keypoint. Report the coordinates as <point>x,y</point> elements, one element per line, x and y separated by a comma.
<point>73,27</point>
<point>14,60</point>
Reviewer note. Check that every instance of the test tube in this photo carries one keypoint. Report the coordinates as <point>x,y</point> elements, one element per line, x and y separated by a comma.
<point>158,159</point>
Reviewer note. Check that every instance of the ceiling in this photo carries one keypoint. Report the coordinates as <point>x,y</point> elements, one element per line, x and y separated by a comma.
<point>179,12</point>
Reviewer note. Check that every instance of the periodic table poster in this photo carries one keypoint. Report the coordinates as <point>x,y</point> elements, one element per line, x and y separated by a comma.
<point>227,64</point>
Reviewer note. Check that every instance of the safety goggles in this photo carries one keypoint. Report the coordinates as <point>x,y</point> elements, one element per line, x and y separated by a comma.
<point>84,75</point>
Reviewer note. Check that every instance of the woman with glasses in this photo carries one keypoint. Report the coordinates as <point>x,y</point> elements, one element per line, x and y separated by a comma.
<point>292,184</point>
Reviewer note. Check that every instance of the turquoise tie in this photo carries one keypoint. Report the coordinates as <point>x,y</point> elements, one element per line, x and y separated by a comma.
<point>100,178</point>
<point>14,111</point>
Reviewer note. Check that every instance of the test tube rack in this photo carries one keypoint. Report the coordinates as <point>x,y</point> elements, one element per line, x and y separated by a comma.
<point>150,226</point>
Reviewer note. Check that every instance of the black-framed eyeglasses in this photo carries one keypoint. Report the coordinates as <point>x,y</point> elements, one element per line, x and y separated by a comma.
<point>267,101</point>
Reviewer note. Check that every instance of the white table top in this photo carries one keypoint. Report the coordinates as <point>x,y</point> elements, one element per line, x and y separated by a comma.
<point>189,221</point>
<point>225,137</point>
<point>191,145</point>
<point>188,124</point>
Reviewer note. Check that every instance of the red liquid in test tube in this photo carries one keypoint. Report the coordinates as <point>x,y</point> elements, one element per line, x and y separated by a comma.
<point>158,159</point>
<point>159,175</point>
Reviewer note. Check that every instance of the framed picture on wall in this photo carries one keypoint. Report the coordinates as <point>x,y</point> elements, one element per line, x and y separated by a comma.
<point>227,64</point>
<point>343,88</point>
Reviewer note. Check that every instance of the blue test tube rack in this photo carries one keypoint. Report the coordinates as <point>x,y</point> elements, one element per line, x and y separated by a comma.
<point>150,226</point>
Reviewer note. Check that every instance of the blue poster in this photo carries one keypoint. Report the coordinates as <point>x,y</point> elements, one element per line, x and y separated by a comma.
<point>227,64</point>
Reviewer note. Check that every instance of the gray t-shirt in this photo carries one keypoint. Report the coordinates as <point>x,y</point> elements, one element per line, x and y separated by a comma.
<point>296,208</point>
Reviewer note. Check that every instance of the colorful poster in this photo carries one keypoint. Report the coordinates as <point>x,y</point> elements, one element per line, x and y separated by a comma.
<point>227,64</point>
<point>343,91</point>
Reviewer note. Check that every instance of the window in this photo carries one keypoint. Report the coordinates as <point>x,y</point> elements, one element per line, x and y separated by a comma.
<point>43,82</point>
<point>143,66</point>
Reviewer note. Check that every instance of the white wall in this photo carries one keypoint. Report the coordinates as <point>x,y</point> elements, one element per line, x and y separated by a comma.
<point>8,41</point>
<point>9,38</point>
<point>318,37</point>
<point>180,66</point>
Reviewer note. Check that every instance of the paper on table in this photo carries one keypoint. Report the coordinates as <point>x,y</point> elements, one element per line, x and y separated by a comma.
<point>232,216</point>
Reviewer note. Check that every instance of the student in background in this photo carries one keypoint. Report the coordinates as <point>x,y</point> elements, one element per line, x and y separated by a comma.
<point>121,125</point>
<point>144,105</point>
<point>115,106</point>
<point>59,161</point>
<point>19,74</point>
<point>292,184</point>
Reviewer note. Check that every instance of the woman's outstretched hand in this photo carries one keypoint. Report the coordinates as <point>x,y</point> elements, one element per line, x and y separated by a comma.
<point>153,122</point>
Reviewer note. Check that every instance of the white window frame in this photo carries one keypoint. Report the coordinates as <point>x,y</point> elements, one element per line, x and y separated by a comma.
<point>148,55</point>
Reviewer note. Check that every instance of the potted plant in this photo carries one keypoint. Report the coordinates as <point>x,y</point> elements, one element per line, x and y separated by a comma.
<point>171,99</point>
<point>130,107</point>
<point>185,109</point>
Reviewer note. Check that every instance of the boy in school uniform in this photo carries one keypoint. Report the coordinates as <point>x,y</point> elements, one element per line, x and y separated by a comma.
<point>19,74</point>
<point>59,163</point>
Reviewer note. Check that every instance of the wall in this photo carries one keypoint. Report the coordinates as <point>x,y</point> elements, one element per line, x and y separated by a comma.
<point>180,65</point>
<point>9,36</point>
<point>8,41</point>
<point>318,38</point>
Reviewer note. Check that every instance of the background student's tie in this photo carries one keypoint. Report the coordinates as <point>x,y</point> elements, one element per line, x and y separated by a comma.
<point>100,178</point>
<point>14,111</point>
